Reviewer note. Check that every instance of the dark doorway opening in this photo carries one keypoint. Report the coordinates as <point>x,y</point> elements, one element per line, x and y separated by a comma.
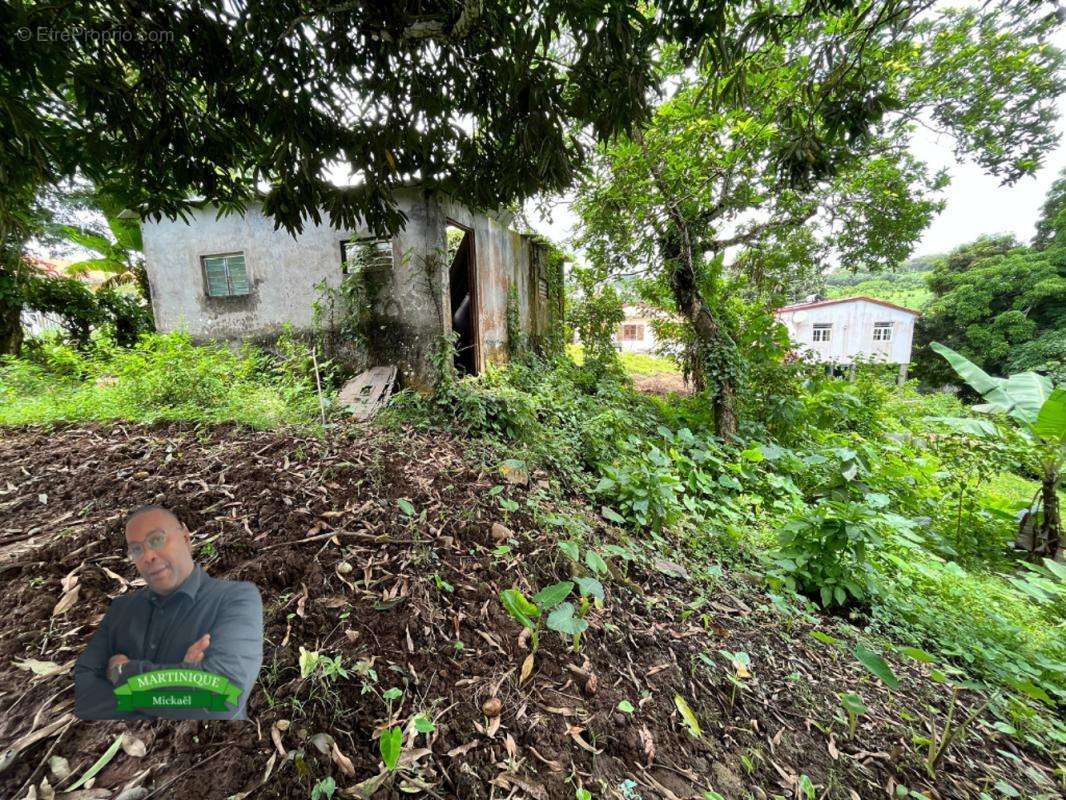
<point>462,283</point>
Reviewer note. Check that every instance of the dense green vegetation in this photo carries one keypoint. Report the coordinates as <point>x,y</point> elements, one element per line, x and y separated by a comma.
<point>162,377</point>
<point>865,504</point>
<point>906,285</point>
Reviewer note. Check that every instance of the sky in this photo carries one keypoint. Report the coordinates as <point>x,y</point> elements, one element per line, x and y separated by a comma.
<point>976,203</point>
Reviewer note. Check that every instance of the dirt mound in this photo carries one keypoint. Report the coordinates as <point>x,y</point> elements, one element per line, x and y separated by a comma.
<point>408,597</point>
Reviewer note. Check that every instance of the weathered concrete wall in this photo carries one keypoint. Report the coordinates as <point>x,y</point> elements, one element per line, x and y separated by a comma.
<point>410,308</point>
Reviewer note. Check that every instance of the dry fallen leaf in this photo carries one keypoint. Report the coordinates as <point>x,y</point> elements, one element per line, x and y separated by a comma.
<point>648,742</point>
<point>133,746</point>
<point>527,669</point>
<point>66,602</point>
<point>342,761</point>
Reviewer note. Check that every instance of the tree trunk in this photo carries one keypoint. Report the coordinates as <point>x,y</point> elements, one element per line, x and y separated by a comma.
<point>10,328</point>
<point>1051,529</point>
<point>712,338</point>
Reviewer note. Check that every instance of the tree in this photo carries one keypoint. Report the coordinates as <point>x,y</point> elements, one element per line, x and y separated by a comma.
<point>999,303</point>
<point>802,155</point>
<point>1038,409</point>
<point>488,102</point>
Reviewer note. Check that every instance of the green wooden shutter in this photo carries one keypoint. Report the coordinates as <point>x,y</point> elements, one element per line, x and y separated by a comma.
<point>226,276</point>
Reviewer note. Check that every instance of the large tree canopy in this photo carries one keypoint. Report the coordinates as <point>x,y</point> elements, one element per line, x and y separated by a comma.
<point>164,100</point>
<point>701,191</point>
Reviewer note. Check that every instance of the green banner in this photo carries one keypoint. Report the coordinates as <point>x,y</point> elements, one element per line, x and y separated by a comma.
<point>177,688</point>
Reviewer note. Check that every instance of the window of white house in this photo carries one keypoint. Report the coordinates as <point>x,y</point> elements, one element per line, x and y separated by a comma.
<point>882,331</point>
<point>632,332</point>
<point>366,254</point>
<point>821,332</point>
<point>225,275</point>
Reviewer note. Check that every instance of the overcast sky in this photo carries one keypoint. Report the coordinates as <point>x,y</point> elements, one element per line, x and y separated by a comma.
<point>976,203</point>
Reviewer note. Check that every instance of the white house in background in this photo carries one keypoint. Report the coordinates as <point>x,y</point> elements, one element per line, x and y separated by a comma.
<point>851,329</point>
<point>635,334</point>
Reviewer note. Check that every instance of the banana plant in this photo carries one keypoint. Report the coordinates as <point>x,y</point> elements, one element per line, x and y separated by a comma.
<point>1038,409</point>
<point>119,257</point>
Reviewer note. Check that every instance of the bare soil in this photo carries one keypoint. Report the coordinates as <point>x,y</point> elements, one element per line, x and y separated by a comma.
<point>343,570</point>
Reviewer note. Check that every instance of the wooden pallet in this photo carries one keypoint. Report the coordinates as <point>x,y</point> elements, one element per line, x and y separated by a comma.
<point>364,394</point>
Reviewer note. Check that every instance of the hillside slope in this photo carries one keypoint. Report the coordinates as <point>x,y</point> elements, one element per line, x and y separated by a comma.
<point>407,595</point>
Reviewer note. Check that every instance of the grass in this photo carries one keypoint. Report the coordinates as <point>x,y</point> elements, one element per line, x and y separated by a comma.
<point>634,363</point>
<point>164,377</point>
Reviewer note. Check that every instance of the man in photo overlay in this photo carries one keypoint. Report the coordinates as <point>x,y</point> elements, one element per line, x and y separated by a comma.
<point>186,646</point>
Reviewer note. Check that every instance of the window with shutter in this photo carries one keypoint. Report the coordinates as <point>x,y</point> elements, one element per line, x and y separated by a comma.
<point>366,254</point>
<point>225,275</point>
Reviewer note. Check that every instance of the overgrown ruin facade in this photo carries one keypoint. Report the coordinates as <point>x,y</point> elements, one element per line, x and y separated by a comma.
<point>380,301</point>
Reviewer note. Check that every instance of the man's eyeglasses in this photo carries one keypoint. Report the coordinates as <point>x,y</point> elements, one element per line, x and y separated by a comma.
<point>154,540</point>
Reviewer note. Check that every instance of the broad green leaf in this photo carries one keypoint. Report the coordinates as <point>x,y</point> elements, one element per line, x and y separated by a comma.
<point>595,562</point>
<point>590,587</point>
<point>853,703</point>
<point>1027,391</point>
<point>612,515</point>
<point>570,549</point>
<point>979,428</point>
<point>395,693</point>
<point>424,725</point>
<point>918,655</point>
<point>390,745</point>
<point>1051,420</point>
<point>983,383</point>
<point>406,507</point>
<point>691,722</point>
<point>877,665</point>
<point>625,707</point>
<point>550,596</point>
<point>519,607</point>
<point>806,787</point>
<point>562,619</point>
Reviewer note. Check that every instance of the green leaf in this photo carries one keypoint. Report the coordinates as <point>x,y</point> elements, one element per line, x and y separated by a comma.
<point>625,707</point>
<point>519,607</point>
<point>406,507</point>
<point>390,745</point>
<point>824,638</point>
<point>550,596</point>
<point>687,714</point>
<point>424,725</point>
<point>325,787</point>
<point>612,515</point>
<point>853,703</point>
<point>877,665</point>
<point>806,787</point>
<point>562,619</point>
<point>983,383</point>
<point>590,587</point>
<point>582,794</point>
<point>918,655</point>
<point>570,550</point>
<point>99,764</point>
<point>595,562</point>
<point>1051,420</point>
<point>394,693</point>
<point>978,428</point>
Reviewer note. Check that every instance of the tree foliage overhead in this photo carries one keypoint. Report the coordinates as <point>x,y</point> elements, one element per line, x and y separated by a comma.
<point>484,100</point>
<point>704,184</point>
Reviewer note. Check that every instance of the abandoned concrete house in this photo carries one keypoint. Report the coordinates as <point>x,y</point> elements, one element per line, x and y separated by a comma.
<point>450,270</point>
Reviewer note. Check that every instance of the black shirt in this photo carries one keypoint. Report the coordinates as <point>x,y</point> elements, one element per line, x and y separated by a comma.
<point>154,631</point>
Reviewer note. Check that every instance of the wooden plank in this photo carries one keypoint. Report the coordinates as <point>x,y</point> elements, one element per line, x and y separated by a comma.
<point>364,394</point>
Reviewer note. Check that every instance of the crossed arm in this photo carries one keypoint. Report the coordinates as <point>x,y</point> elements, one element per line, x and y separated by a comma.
<point>233,648</point>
